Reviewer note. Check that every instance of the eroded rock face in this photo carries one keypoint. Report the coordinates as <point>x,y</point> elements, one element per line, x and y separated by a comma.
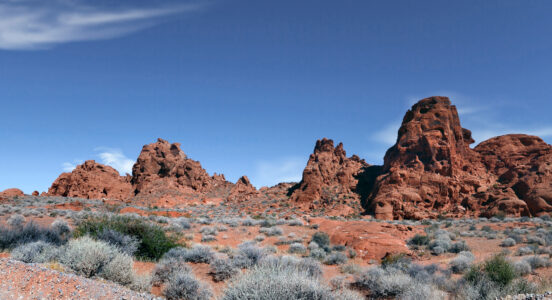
<point>92,180</point>
<point>242,190</point>
<point>523,164</point>
<point>162,165</point>
<point>431,168</point>
<point>329,175</point>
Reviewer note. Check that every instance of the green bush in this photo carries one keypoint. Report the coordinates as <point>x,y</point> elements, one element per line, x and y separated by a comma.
<point>153,242</point>
<point>322,239</point>
<point>497,269</point>
<point>419,240</point>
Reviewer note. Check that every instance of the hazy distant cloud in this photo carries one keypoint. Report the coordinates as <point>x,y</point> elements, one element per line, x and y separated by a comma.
<point>70,166</point>
<point>388,134</point>
<point>116,159</point>
<point>481,134</point>
<point>40,24</point>
<point>288,169</point>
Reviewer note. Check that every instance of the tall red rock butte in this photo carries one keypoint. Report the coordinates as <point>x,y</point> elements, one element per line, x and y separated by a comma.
<point>431,170</point>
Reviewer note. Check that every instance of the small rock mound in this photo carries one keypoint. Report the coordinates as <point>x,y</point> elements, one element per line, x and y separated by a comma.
<point>92,180</point>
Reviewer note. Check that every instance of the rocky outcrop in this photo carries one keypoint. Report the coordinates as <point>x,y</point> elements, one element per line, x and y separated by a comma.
<point>243,190</point>
<point>163,166</point>
<point>92,180</point>
<point>431,169</point>
<point>522,164</point>
<point>329,175</point>
<point>10,193</point>
<point>162,176</point>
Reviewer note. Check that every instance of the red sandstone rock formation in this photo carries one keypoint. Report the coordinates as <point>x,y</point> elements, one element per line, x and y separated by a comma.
<point>243,190</point>
<point>162,166</point>
<point>329,175</point>
<point>522,163</point>
<point>10,193</point>
<point>92,180</point>
<point>431,168</point>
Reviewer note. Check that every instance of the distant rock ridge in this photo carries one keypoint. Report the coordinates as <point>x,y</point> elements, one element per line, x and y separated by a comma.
<point>162,174</point>
<point>429,172</point>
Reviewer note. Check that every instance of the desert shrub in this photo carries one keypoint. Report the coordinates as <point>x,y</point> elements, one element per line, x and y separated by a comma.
<point>271,231</point>
<point>522,267</point>
<point>36,252</point>
<point>248,222</point>
<point>537,262</point>
<point>398,260</point>
<point>338,248</point>
<point>248,255</point>
<point>208,238</point>
<point>297,248</point>
<point>419,240</point>
<point>459,247</point>
<point>267,223</point>
<point>186,286</point>
<point>141,283</point>
<point>532,239</point>
<point>199,254</point>
<point>317,253</point>
<point>309,267</point>
<point>260,238</point>
<point>322,239</point>
<point>461,262</point>
<point>61,227</point>
<point>14,236</point>
<point>280,278</point>
<point>383,283</point>
<point>168,267</point>
<point>126,244</point>
<point>440,244</point>
<point>119,269</point>
<point>207,230</point>
<point>336,258</point>
<point>524,251</point>
<point>350,268</point>
<point>184,223</point>
<point>508,242</point>
<point>295,222</point>
<point>16,220</point>
<point>87,257</point>
<point>222,269</point>
<point>153,242</point>
<point>497,269</point>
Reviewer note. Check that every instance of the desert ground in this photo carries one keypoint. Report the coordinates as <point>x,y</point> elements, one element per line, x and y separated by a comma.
<point>67,248</point>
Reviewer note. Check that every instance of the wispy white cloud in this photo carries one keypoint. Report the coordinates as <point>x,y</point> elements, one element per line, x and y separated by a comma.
<point>39,24</point>
<point>116,159</point>
<point>70,166</point>
<point>289,169</point>
<point>388,134</point>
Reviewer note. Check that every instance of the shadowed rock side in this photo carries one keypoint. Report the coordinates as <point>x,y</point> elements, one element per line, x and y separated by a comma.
<point>92,180</point>
<point>330,177</point>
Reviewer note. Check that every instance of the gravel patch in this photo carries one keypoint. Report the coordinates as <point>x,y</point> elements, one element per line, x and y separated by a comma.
<point>33,281</point>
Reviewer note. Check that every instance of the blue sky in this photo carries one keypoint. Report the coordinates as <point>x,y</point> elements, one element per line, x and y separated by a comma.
<point>247,86</point>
